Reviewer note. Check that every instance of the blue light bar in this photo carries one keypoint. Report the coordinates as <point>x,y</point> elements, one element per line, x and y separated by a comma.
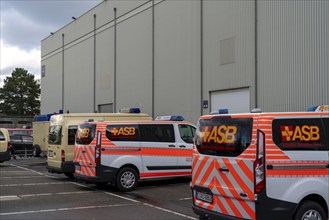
<point>223,111</point>
<point>312,108</point>
<point>318,108</point>
<point>170,118</point>
<point>130,110</point>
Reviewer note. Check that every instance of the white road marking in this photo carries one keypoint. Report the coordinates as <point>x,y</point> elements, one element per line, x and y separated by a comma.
<point>35,184</point>
<point>50,194</point>
<point>63,209</point>
<point>170,211</point>
<point>21,177</point>
<point>8,198</point>
<point>189,198</point>
<point>114,195</point>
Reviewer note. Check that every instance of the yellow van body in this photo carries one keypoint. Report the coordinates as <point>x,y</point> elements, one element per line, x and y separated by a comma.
<point>61,137</point>
<point>4,145</point>
<point>40,137</point>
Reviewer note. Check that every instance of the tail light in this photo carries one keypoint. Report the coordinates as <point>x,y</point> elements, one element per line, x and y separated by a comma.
<point>98,147</point>
<point>8,146</point>
<point>63,155</point>
<point>97,154</point>
<point>259,175</point>
<point>259,163</point>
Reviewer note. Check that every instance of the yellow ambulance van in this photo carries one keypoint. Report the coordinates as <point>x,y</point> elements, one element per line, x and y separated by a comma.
<point>262,166</point>
<point>61,137</point>
<point>40,137</point>
<point>5,154</point>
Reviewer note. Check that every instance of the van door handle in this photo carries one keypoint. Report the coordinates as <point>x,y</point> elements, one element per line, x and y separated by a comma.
<point>182,146</point>
<point>171,145</point>
<point>224,169</point>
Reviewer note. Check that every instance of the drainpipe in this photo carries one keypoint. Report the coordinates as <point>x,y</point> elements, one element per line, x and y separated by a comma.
<point>94,105</point>
<point>256,59</point>
<point>63,72</point>
<point>115,61</point>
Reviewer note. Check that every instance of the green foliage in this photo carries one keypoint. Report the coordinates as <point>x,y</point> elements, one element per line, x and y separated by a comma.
<point>20,93</point>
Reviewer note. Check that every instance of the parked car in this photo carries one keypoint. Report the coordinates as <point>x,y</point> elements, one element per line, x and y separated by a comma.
<point>21,144</point>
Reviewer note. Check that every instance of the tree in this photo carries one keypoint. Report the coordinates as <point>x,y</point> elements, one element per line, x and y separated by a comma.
<point>20,93</point>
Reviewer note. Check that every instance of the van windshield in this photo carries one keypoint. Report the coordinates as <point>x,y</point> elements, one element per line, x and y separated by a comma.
<point>55,134</point>
<point>223,135</point>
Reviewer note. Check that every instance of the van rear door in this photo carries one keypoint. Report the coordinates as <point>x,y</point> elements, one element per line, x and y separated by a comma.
<point>222,175</point>
<point>84,153</point>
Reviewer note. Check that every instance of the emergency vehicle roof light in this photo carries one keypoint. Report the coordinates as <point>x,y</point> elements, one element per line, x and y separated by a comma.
<point>90,120</point>
<point>169,118</point>
<point>256,110</point>
<point>130,110</point>
<point>319,108</point>
<point>220,111</point>
<point>312,108</point>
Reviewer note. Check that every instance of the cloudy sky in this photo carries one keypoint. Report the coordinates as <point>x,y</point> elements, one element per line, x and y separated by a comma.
<point>24,23</point>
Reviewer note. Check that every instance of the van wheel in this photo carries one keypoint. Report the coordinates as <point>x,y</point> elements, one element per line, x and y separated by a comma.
<point>36,150</point>
<point>310,210</point>
<point>126,179</point>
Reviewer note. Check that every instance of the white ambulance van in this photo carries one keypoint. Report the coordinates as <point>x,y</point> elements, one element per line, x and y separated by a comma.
<point>122,153</point>
<point>5,154</point>
<point>262,166</point>
<point>61,137</point>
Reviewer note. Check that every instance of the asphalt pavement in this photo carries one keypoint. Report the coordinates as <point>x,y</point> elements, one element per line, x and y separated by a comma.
<point>28,191</point>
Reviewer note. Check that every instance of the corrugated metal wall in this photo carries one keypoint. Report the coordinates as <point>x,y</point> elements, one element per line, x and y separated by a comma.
<point>162,45</point>
<point>293,54</point>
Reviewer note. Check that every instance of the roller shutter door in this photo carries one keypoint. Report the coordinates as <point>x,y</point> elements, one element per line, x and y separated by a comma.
<point>235,100</point>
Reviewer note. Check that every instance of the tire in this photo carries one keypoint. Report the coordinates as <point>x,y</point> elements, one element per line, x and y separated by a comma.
<point>36,150</point>
<point>126,179</point>
<point>310,210</point>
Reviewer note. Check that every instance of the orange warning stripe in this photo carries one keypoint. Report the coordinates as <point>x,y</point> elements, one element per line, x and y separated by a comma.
<point>200,168</point>
<point>299,162</point>
<point>228,200</point>
<point>220,205</point>
<point>297,173</point>
<point>148,151</point>
<point>164,174</point>
<point>232,189</point>
<point>207,173</point>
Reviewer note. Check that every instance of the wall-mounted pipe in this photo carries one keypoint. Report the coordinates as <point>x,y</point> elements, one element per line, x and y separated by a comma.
<point>115,61</point>
<point>94,104</point>
<point>63,87</point>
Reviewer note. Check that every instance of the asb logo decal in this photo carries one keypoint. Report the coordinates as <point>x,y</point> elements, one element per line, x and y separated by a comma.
<point>83,133</point>
<point>123,131</point>
<point>219,134</point>
<point>290,133</point>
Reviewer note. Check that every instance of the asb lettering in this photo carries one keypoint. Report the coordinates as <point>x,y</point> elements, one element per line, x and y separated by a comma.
<point>219,134</point>
<point>123,131</point>
<point>300,133</point>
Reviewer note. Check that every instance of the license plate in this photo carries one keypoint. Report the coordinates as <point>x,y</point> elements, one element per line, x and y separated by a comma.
<point>203,196</point>
<point>50,153</point>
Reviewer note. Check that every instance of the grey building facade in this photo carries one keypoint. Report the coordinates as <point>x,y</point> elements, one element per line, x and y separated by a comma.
<point>189,57</point>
